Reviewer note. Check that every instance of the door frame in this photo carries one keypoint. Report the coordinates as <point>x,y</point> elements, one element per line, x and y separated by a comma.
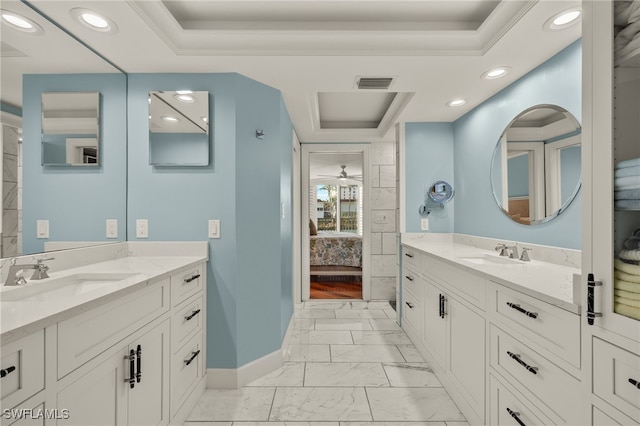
<point>297,216</point>
<point>355,148</point>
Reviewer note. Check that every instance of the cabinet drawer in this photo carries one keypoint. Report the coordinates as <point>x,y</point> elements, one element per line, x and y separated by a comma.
<point>412,283</point>
<point>186,284</point>
<point>22,366</point>
<point>555,330</point>
<point>412,315</point>
<point>188,318</point>
<point>86,335</point>
<point>470,287</point>
<point>186,371</point>
<point>506,407</point>
<point>556,388</point>
<point>411,258</point>
<point>613,376</point>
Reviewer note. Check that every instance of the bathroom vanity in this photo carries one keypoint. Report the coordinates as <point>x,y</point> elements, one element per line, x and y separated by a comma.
<point>115,335</point>
<point>502,335</point>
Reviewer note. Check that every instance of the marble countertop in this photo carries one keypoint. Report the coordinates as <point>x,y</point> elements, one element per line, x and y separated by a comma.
<point>545,281</point>
<point>20,318</point>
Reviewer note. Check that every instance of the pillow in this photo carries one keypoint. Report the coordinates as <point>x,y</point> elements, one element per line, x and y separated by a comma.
<point>312,228</point>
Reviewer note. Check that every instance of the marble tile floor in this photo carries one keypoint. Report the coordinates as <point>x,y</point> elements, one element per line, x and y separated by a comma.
<point>348,363</point>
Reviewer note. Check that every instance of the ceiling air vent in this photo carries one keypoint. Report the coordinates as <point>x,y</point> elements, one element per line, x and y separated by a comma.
<point>374,82</point>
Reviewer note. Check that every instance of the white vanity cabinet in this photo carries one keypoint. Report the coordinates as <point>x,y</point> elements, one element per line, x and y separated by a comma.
<point>611,108</point>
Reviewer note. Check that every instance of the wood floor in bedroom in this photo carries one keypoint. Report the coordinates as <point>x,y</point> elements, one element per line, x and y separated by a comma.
<point>336,287</point>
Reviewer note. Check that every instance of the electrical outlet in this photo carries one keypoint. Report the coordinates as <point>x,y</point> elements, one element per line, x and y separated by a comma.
<point>424,224</point>
<point>142,228</point>
<point>42,229</point>
<point>112,228</point>
<point>214,229</point>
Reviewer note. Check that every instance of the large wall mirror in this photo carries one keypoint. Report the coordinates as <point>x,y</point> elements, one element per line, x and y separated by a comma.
<point>536,168</point>
<point>179,128</point>
<point>70,129</point>
<point>48,50</point>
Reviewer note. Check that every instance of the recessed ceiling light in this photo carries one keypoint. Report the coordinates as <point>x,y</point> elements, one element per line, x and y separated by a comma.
<point>94,20</point>
<point>184,92</point>
<point>170,119</point>
<point>19,22</point>
<point>205,119</point>
<point>184,98</point>
<point>563,19</point>
<point>456,102</point>
<point>496,73</point>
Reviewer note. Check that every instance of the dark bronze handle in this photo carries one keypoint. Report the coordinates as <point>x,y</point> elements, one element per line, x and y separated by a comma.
<point>408,255</point>
<point>139,362</point>
<point>409,305</point>
<point>193,277</point>
<point>632,381</point>
<point>193,356</point>
<point>517,307</point>
<point>591,285</point>
<point>516,357</point>
<point>516,416</point>
<point>8,370</point>
<point>193,314</point>
<point>442,301</point>
<point>132,368</point>
<point>408,277</point>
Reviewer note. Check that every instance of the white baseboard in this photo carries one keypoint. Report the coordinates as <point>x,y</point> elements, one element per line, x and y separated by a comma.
<point>235,378</point>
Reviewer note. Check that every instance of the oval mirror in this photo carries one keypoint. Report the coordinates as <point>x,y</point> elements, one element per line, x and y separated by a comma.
<point>536,168</point>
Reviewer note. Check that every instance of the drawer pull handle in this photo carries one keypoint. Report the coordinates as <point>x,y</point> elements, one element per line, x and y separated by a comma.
<point>516,357</point>
<point>409,255</point>
<point>591,285</point>
<point>409,278</point>
<point>518,308</point>
<point>441,308</point>
<point>193,314</point>
<point>193,356</point>
<point>8,370</point>
<point>516,416</point>
<point>632,381</point>
<point>139,362</point>
<point>410,305</point>
<point>193,277</point>
<point>132,368</point>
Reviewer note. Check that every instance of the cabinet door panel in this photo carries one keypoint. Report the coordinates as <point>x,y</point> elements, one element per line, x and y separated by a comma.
<point>467,352</point>
<point>435,327</point>
<point>148,400</point>
<point>99,397</point>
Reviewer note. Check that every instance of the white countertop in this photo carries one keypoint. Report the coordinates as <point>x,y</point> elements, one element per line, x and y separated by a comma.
<point>546,281</point>
<point>20,318</point>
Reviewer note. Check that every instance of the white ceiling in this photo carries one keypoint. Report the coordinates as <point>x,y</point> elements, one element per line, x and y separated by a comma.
<point>436,50</point>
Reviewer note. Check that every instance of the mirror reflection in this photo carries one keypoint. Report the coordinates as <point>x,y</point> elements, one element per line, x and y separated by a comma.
<point>179,128</point>
<point>535,172</point>
<point>70,128</point>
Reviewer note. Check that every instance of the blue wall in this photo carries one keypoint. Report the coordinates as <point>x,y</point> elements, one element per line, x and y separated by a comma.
<point>558,81</point>
<point>518,176</point>
<point>429,158</point>
<point>76,200</point>
<point>571,169</point>
<point>243,187</point>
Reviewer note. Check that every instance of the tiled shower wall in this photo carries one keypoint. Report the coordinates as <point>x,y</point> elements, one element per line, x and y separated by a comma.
<point>383,221</point>
<point>10,205</point>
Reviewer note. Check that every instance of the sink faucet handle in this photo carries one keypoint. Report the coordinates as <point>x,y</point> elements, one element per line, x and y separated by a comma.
<point>525,256</point>
<point>44,260</point>
<point>502,248</point>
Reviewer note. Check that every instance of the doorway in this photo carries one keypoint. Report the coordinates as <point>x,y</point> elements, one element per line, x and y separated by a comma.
<point>335,225</point>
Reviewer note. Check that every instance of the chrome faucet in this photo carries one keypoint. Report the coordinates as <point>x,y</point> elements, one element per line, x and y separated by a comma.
<point>502,247</point>
<point>525,256</point>
<point>513,251</point>
<point>40,272</point>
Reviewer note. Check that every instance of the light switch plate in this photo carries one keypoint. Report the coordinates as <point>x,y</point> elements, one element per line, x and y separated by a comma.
<point>142,228</point>
<point>424,224</point>
<point>42,229</point>
<point>112,228</point>
<point>214,228</point>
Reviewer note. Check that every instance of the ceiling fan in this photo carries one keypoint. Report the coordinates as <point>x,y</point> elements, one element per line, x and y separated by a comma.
<point>344,176</point>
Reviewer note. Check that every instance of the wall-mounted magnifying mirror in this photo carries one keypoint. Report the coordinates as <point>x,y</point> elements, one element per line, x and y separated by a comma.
<point>535,172</point>
<point>179,128</point>
<point>70,128</point>
<point>439,193</point>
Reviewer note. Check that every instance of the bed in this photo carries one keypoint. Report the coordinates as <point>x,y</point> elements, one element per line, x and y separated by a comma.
<point>336,249</point>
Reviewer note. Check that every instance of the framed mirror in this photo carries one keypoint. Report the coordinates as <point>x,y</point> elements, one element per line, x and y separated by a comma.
<point>70,129</point>
<point>536,166</point>
<point>179,128</point>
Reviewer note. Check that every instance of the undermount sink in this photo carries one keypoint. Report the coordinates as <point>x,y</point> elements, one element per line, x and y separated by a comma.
<point>486,259</point>
<point>69,286</point>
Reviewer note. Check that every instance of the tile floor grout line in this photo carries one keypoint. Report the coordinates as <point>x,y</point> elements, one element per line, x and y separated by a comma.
<point>304,374</point>
<point>386,375</point>
<point>401,354</point>
<point>275,390</point>
<point>366,394</point>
